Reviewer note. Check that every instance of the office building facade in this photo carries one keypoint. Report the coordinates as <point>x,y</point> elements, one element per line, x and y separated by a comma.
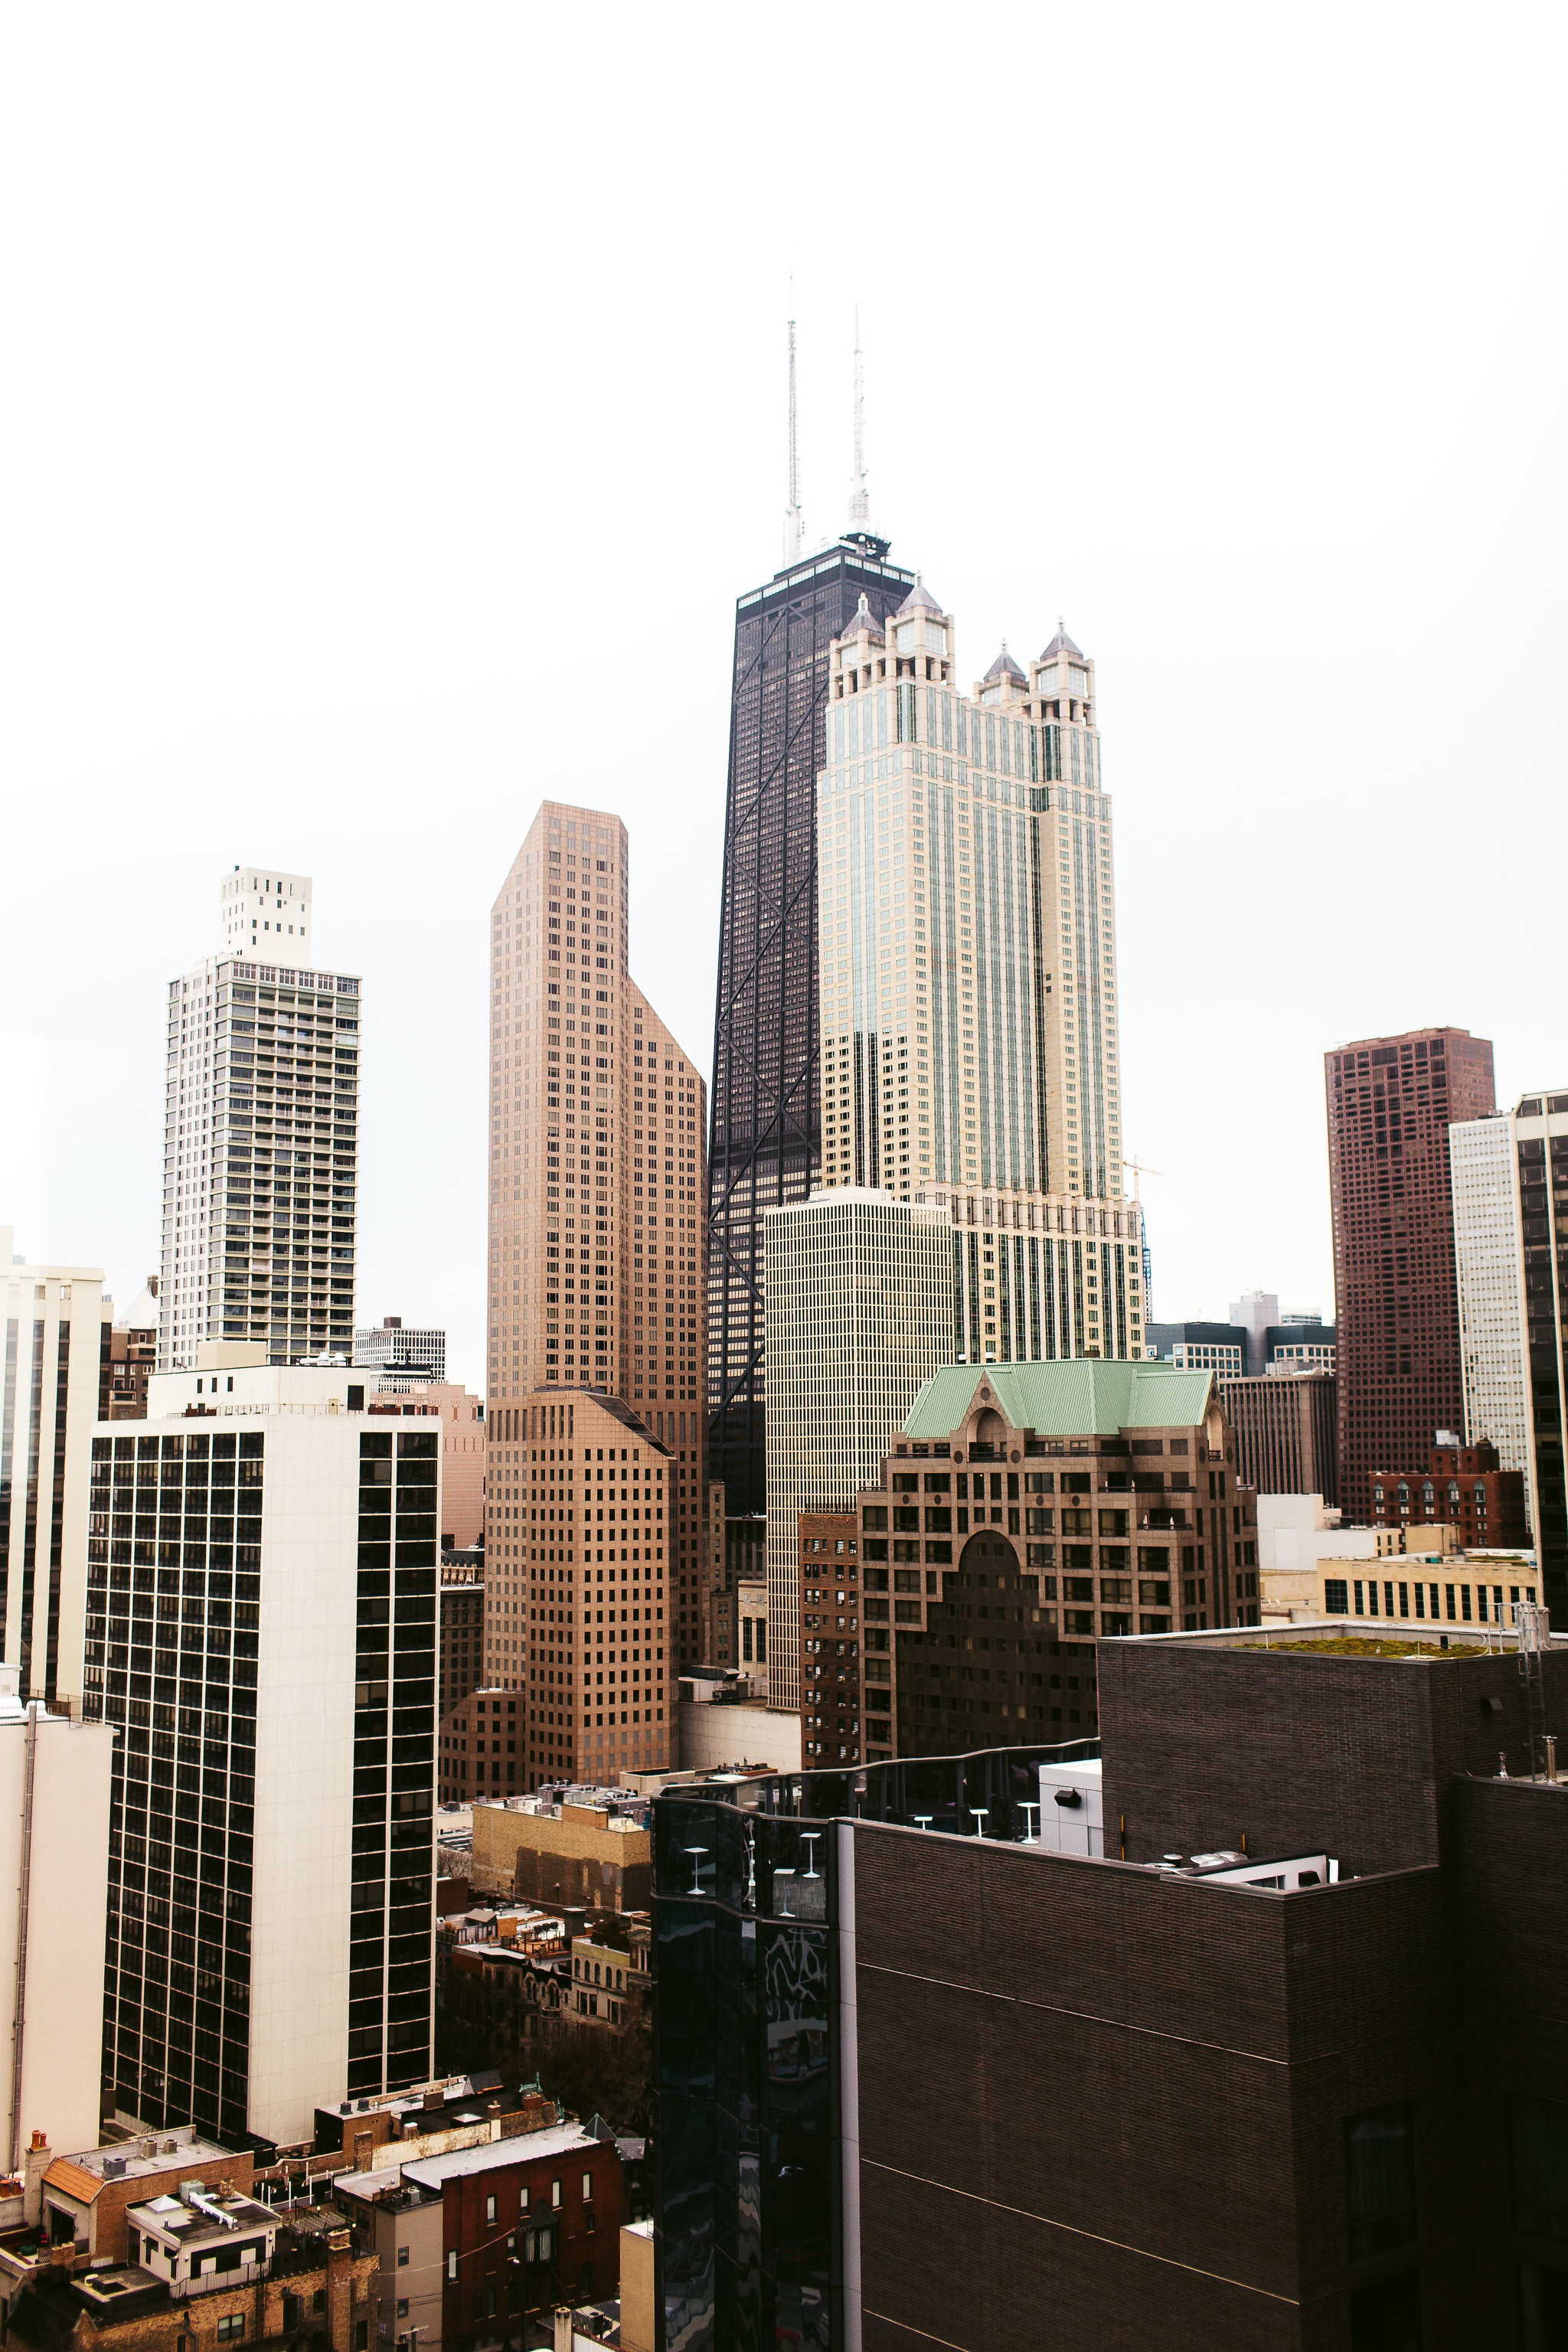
<point>57,1352</point>
<point>991,2125</point>
<point>393,1345</point>
<point>766,1138</point>
<point>261,1627</point>
<point>1287,1432</point>
<point>260,1146</point>
<point>597,1202</point>
<point>580,1617</point>
<point>859,1316</point>
<point>1391,1102</point>
<point>966,914</point>
<point>1217,1347</point>
<point>1541,1164</point>
<point>1094,1500</point>
<point>1488,1264</point>
<point>970,1054</point>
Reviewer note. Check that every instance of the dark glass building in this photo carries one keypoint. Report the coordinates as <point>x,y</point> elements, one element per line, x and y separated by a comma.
<point>766,1133</point>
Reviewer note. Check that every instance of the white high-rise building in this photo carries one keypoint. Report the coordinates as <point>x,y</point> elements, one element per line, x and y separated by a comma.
<point>1483,1174</point>
<point>259,1139</point>
<point>261,1631</point>
<point>57,1346</point>
<point>56,1777</point>
<point>967,971</point>
<point>265,913</point>
<point>859,1314</point>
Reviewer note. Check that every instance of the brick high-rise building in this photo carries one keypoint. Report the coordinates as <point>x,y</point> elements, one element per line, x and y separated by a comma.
<point>1391,1101</point>
<point>598,1263</point>
<point>1287,1433</point>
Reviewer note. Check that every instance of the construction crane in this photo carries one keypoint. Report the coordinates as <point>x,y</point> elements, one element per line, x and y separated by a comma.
<point>1140,1167</point>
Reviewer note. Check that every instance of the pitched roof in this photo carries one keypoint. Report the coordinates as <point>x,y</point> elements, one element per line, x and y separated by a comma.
<point>1083,1396</point>
<point>861,618</point>
<point>1003,667</point>
<point>74,2178</point>
<point>919,599</point>
<point>1062,643</point>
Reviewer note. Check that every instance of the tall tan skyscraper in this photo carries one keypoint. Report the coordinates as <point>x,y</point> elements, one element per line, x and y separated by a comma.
<point>598,1203</point>
<point>967,962</point>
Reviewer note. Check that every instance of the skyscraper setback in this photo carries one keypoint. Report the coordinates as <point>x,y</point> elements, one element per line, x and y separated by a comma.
<point>597,1296</point>
<point>1391,1101</point>
<point>766,1142</point>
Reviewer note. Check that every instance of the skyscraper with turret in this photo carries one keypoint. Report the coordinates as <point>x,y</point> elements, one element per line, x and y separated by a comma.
<point>967,956</point>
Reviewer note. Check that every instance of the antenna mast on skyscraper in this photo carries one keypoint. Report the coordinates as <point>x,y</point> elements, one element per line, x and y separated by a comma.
<point>859,497</point>
<point>794,526</point>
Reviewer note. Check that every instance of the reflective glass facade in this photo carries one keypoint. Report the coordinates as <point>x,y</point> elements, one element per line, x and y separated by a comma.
<point>750,1945</point>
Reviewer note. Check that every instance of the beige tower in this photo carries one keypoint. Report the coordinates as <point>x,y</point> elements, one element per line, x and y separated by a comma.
<point>967,971</point>
<point>597,1205</point>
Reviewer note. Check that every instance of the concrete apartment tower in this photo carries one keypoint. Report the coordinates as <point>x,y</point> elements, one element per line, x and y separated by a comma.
<point>598,1302</point>
<point>967,960</point>
<point>859,1300</point>
<point>57,1352</point>
<point>1391,1102</point>
<point>260,1137</point>
<point>261,1628</point>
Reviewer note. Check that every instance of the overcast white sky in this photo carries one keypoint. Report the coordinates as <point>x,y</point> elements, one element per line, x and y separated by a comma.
<point>392,408</point>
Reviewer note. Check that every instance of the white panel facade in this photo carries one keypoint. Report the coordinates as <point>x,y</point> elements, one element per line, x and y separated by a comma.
<point>1489,1262</point>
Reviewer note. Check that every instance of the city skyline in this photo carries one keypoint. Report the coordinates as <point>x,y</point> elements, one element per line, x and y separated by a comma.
<point>376,685</point>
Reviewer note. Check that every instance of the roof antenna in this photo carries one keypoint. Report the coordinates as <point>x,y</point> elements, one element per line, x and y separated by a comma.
<point>794,525</point>
<point>860,499</point>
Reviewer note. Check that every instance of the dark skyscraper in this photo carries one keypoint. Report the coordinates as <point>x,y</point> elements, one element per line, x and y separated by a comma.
<point>766,1135</point>
<point>1391,1102</point>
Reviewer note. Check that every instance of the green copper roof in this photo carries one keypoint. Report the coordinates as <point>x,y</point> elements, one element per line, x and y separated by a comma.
<point>1081,1397</point>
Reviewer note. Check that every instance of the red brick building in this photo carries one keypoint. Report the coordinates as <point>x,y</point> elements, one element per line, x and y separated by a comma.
<point>1391,1101</point>
<point>524,2224</point>
<point>1462,1486</point>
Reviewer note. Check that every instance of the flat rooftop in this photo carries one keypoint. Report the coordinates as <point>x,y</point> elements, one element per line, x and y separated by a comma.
<point>215,2217</point>
<point>1407,1639</point>
<point>136,2159</point>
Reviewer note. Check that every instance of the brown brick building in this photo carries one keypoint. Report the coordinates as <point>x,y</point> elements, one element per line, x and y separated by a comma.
<point>1462,1486</point>
<point>830,1643</point>
<point>1391,1101</point>
<point>526,2222</point>
<point>461,1633</point>
<point>1287,1433</point>
<point>131,1357</point>
<point>1026,1511</point>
